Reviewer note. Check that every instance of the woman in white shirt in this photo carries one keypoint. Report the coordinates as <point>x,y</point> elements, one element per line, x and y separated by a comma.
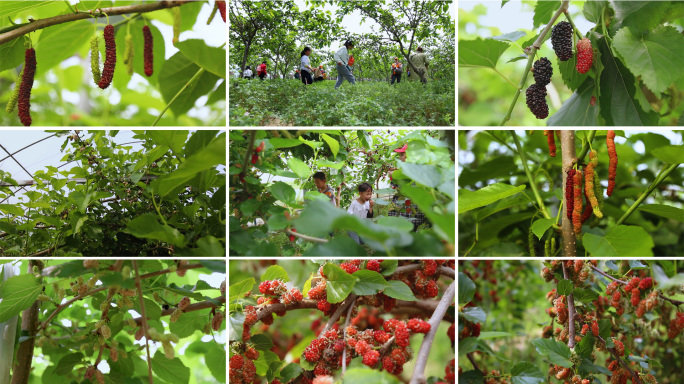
<point>362,207</point>
<point>342,59</point>
<point>305,66</point>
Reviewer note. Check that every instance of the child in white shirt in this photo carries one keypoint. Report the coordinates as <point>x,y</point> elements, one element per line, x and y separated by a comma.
<point>362,207</point>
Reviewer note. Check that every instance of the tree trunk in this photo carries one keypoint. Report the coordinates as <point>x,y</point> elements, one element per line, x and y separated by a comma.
<point>244,59</point>
<point>29,324</point>
<point>569,158</point>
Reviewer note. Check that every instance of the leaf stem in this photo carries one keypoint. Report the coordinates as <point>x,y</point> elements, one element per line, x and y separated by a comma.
<point>533,185</point>
<point>669,169</point>
<point>186,86</point>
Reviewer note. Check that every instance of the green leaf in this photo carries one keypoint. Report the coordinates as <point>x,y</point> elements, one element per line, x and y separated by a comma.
<point>622,240</point>
<point>299,167</point>
<point>277,222</point>
<point>275,272</point>
<point>290,371</point>
<point>67,363</point>
<point>670,154</point>
<point>655,56</point>
<point>213,154</point>
<point>337,246</point>
<point>565,287</point>
<point>210,246</point>
<point>175,74</point>
<point>585,347</point>
<point>473,376</point>
<point>399,290</point>
<point>278,143</point>
<point>526,373</point>
<point>577,110</point>
<point>215,359</point>
<point>148,227</point>
<point>188,323</point>
<point>474,314</point>
<point>152,309</point>
<point>466,289</point>
<point>59,42</point>
<point>172,371</point>
<point>494,335</point>
<point>173,139</point>
<point>370,282</point>
<point>329,164</point>
<point>468,200</point>
<point>249,206</point>
<point>428,175</point>
<point>332,143</point>
<point>585,295</point>
<point>210,58</point>
<point>340,283</point>
<point>557,352</point>
<point>483,53</point>
<point>663,210</point>
<point>540,226</point>
<point>283,192</point>
<point>11,56</point>
<point>543,11</point>
<point>18,293</point>
<point>11,209</point>
<point>238,290</point>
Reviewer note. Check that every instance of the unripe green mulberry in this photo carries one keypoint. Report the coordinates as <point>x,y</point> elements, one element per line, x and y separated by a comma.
<point>105,331</point>
<point>95,59</point>
<point>169,353</point>
<point>12,103</point>
<point>175,315</point>
<point>128,54</point>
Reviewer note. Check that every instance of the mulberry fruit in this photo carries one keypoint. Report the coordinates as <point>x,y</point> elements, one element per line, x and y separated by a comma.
<point>217,321</point>
<point>595,329</point>
<point>551,140</point>
<point>577,206</point>
<point>24,100</point>
<point>128,54</point>
<point>95,58</point>
<point>221,5</point>
<point>561,40</point>
<point>147,34</point>
<point>536,101</point>
<point>589,183</point>
<point>419,326</point>
<point>585,56</point>
<point>183,304</point>
<point>569,193</point>
<point>646,283</point>
<point>110,58</point>
<point>542,71</point>
<point>612,154</point>
<point>370,358</point>
<point>12,103</point>
<point>373,265</point>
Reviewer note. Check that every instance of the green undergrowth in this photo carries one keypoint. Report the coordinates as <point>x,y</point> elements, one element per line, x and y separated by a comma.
<point>290,103</point>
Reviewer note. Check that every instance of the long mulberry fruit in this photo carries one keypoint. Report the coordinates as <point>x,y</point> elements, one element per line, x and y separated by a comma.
<point>128,54</point>
<point>585,56</point>
<point>586,214</point>
<point>95,58</point>
<point>542,71</point>
<point>569,193</point>
<point>12,103</point>
<point>577,206</point>
<point>147,34</point>
<point>24,100</point>
<point>589,183</point>
<point>221,5</point>
<point>551,141</point>
<point>110,58</point>
<point>536,101</point>
<point>561,40</point>
<point>612,154</point>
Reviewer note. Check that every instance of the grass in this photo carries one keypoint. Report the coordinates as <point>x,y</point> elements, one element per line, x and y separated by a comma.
<point>291,103</point>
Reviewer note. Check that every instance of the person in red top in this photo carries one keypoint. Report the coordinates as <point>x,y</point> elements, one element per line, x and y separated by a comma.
<point>396,71</point>
<point>261,70</point>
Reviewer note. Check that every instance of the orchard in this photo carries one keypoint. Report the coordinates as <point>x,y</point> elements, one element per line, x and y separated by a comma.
<point>102,321</point>
<point>109,63</point>
<point>574,63</point>
<point>570,193</point>
<point>277,207</point>
<point>345,321</point>
<point>573,322</point>
<point>389,43</point>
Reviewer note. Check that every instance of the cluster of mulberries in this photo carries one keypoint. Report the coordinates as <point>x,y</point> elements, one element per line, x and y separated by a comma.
<point>676,325</point>
<point>351,266</point>
<point>536,101</point>
<point>110,57</point>
<point>585,56</point>
<point>612,154</point>
<point>561,40</point>
<point>149,66</point>
<point>542,71</point>
<point>241,370</point>
<point>24,100</point>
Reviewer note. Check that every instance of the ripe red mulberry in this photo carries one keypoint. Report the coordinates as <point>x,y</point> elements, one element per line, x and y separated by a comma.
<point>585,56</point>
<point>536,101</point>
<point>612,154</point>
<point>542,71</point>
<point>589,183</point>
<point>569,193</point>
<point>370,358</point>
<point>561,40</point>
<point>24,100</point>
<point>147,34</point>
<point>551,140</point>
<point>221,5</point>
<point>577,206</point>
<point>110,58</point>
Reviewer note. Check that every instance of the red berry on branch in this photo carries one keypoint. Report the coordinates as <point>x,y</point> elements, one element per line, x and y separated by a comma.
<point>612,154</point>
<point>148,53</point>
<point>221,5</point>
<point>371,358</point>
<point>407,202</point>
<point>585,56</point>
<point>255,157</point>
<point>24,100</point>
<point>373,265</point>
<point>260,147</point>
<point>110,57</point>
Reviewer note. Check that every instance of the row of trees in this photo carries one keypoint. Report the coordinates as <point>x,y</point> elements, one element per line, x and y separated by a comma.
<point>278,31</point>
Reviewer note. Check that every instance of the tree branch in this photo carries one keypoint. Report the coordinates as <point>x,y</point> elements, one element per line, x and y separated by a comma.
<point>113,11</point>
<point>635,377</point>
<point>571,310</point>
<point>29,324</point>
<point>144,320</point>
<point>568,157</point>
<point>190,308</point>
<point>426,345</point>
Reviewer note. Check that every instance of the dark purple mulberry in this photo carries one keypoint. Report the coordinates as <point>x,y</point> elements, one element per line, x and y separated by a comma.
<point>24,102</point>
<point>536,101</point>
<point>561,39</point>
<point>149,66</point>
<point>542,71</point>
<point>110,57</point>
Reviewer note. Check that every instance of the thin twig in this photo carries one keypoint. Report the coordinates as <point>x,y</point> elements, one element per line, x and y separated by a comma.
<point>190,308</point>
<point>144,320</point>
<point>333,319</point>
<point>608,276</point>
<point>571,310</point>
<point>424,351</point>
<point>344,337</point>
<point>473,362</point>
<point>635,377</point>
